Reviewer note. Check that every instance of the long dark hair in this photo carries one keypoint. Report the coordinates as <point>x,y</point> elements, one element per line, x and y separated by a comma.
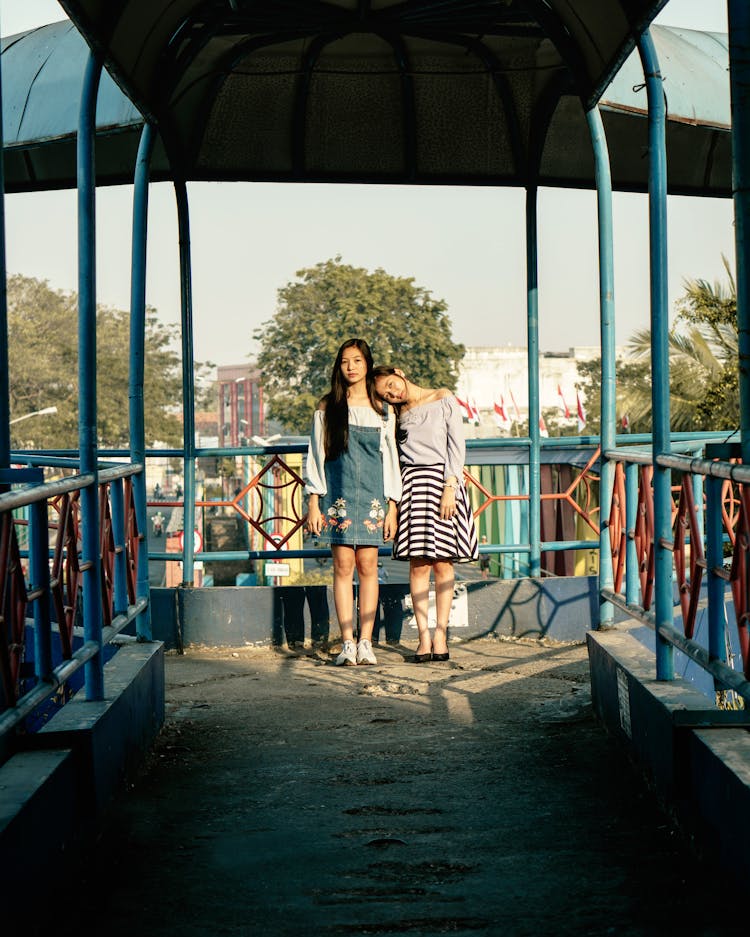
<point>384,370</point>
<point>336,420</point>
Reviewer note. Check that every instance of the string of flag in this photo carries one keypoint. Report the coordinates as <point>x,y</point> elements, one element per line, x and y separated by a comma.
<point>504,421</point>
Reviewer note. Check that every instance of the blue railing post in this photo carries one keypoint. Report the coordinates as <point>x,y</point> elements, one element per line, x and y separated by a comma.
<point>188,382</point>
<point>39,576</point>
<point>117,503</point>
<point>138,364</point>
<point>739,82</point>
<point>715,561</point>
<point>632,579</point>
<point>87,414</point>
<point>657,191</point>
<point>4,361</point>
<point>532,333</point>
<point>607,331</point>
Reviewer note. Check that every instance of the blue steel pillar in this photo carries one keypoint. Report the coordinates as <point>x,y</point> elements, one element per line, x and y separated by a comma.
<point>532,333</point>
<point>632,579</point>
<point>714,563</point>
<point>4,376</point>
<point>657,191</point>
<point>87,414</point>
<point>739,82</point>
<point>138,364</point>
<point>607,332</point>
<point>188,383</point>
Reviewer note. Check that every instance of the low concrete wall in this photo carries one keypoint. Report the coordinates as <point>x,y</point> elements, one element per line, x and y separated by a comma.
<point>56,788</point>
<point>696,756</point>
<point>563,609</point>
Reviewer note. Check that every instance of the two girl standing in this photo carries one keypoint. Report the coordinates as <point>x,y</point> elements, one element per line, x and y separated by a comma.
<point>355,483</point>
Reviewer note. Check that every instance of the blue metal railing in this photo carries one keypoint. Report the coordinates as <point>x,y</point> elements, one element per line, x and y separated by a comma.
<point>119,612</point>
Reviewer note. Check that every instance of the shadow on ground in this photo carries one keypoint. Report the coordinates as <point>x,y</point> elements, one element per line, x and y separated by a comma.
<point>286,796</point>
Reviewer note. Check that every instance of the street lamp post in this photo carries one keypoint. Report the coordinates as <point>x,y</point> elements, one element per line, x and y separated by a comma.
<point>45,412</point>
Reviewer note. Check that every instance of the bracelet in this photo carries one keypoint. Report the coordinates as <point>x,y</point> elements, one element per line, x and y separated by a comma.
<point>453,485</point>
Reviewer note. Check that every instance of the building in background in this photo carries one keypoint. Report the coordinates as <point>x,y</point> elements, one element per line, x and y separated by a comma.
<point>240,404</point>
<point>494,379</point>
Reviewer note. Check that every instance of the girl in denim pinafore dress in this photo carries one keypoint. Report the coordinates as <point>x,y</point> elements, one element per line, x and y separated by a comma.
<point>354,483</point>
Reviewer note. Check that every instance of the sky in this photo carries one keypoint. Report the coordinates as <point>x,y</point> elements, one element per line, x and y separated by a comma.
<point>465,245</point>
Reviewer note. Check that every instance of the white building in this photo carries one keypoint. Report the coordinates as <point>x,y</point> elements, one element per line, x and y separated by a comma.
<point>490,375</point>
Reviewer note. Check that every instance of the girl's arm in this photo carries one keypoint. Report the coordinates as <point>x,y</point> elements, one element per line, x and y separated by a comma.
<point>315,476</point>
<point>389,453</point>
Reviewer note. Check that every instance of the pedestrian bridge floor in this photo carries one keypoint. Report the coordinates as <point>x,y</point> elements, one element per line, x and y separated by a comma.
<point>287,796</point>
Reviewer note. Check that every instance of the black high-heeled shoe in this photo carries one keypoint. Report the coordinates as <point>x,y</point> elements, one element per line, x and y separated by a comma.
<point>445,656</point>
<point>421,658</point>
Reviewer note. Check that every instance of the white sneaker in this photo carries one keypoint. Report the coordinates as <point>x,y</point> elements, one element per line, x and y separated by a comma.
<point>364,653</point>
<point>348,655</point>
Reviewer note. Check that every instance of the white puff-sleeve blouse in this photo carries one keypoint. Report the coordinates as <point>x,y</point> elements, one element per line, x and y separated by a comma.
<point>315,475</point>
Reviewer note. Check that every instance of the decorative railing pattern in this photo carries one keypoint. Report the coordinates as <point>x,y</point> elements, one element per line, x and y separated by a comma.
<point>41,588</point>
<point>701,488</point>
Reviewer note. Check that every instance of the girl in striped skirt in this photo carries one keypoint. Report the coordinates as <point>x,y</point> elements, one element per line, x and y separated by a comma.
<point>435,525</point>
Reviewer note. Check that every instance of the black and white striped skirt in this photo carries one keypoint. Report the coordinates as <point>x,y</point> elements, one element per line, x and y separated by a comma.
<point>421,533</point>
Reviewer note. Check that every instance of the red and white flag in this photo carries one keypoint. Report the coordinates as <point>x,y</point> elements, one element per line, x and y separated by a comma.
<point>501,414</point>
<point>474,412</point>
<point>581,413</point>
<point>543,431</point>
<point>563,405</point>
<point>515,408</point>
<point>466,407</point>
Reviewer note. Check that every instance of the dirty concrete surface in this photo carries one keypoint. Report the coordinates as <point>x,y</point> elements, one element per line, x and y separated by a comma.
<point>287,796</point>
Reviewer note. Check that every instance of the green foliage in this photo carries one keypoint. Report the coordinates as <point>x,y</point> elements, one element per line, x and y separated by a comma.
<point>633,386</point>
<point>332,302</point>
<point>43,358</point>
<point>703,357</point>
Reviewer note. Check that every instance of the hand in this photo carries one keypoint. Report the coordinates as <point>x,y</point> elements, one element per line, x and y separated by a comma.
<point>314,518</point>
<point>447,504</point>
<point>391,521</point>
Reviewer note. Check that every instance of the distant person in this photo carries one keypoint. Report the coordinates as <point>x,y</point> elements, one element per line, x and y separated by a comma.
<point>158,521</point>
<point>435,524</point>
<point>157,492</point>
<point>484,560</point>
<point>354,486</point>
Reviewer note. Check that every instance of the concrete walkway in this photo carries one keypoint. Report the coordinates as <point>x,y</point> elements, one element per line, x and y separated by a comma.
<point>290,797</point>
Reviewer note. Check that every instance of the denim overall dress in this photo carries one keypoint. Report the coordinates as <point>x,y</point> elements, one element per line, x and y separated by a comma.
<point>355,505</point>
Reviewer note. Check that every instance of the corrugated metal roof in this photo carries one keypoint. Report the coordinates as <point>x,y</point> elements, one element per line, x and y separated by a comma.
<point>410,95</point>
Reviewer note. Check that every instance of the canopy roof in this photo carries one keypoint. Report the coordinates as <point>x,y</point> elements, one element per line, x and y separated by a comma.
<point>455,91</point>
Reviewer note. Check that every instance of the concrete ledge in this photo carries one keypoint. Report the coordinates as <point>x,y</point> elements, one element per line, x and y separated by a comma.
<point>720,778</point>
<point>110,737</point>
<point>39,814</point>
<point>701,773</point>
<point>55,790</point>
<point>562,609</point>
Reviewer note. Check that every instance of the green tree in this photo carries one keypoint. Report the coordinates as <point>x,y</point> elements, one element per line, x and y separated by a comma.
<point>703,359</point>
<point>633,379</point>
<point>43,358</point>
<point>703,374</point>
<point>332,302</point>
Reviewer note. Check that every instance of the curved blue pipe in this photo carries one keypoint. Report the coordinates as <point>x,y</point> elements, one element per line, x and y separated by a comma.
<point>188,369</point>
<point>603,177</point>
<point>138,364</point>
<point>657,201</point>
<point>87,410</point>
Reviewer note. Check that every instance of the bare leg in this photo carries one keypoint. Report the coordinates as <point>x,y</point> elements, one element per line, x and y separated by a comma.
<point>367,571</point>
<point>444,582</point>
<point>419,584</point>
<point>343,598</point>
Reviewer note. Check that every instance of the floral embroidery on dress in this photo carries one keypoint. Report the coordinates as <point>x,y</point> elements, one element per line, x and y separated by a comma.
<point>335,512</point>
<point>377,514</point>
